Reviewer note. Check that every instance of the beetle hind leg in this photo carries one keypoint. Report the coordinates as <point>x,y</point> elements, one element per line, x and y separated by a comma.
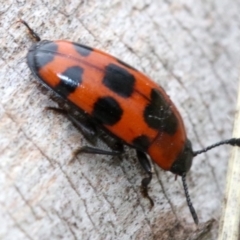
<point>83,124</point>
<point>93,150</point>
<point>146,164</point>
<point>90,132</point>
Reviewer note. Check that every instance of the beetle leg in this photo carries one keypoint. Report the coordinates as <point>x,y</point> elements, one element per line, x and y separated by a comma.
<point>86,149</point>
<point>90,132</point>
<point>86,127</point>
<point>146,164</point>
<point>59,100</point>
<point>113,143</point>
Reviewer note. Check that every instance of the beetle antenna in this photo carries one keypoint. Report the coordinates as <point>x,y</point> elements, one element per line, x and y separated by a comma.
<point>32,33</point>
<point>232,141</point>
<point>189,203</point>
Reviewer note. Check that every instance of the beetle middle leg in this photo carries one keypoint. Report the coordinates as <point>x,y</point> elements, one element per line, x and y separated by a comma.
<point>146,164</point>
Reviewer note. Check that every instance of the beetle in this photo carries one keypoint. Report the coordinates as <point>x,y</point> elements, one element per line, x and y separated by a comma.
<point>118,99</point>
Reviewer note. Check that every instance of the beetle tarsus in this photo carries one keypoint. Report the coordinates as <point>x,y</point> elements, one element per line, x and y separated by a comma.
<point>146,165</point>
<point>144,190</point>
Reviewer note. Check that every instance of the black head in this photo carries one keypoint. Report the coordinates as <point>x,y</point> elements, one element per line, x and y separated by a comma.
<point>184,161</point>
<point>180,167</point>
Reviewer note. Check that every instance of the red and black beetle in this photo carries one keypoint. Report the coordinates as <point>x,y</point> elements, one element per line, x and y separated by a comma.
<point>120,100</point>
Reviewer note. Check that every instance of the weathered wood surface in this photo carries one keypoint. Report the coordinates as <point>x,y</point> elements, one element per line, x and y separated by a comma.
<point>191,48</point>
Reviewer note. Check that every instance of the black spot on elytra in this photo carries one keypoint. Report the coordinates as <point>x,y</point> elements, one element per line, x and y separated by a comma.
<point>82,49</point>
<point>70,79</point>
<point>43,53</point>
<point>107,111</point>
<point>158,114</point>
<point>142,142</point>
<point>119,80</point>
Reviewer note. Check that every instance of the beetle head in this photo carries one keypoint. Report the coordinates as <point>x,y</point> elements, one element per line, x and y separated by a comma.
<point>184,161</point>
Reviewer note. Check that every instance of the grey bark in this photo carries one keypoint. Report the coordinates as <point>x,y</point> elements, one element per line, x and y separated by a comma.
<point>191,48</point>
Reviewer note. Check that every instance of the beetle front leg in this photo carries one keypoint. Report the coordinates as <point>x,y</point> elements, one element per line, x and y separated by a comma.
<point>146,164</point>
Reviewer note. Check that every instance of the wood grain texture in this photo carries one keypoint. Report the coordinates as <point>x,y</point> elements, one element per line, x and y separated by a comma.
<point>230,219</point>
<point>191,48</point>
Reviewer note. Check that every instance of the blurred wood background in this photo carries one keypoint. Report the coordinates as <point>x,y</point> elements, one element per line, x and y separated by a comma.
<point>191,48</point>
